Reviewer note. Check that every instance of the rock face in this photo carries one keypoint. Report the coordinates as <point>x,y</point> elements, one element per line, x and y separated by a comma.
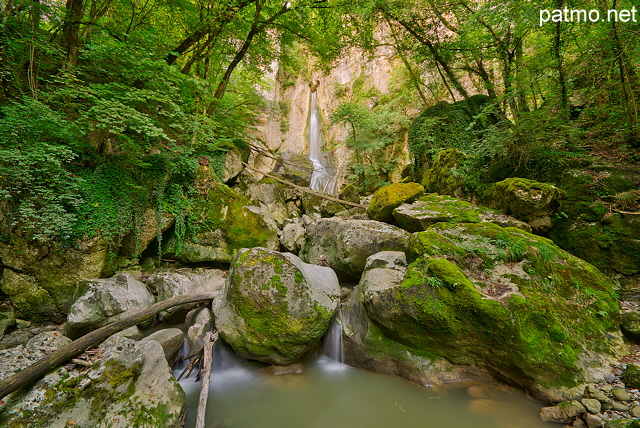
<point>345,244</point>
<point>433,208</point>
<point>131,385</point>
<point>41,280</point>
<point>294,167</point>
<point>499,298</point>
<point>107,300</point>
<point>526,200</point>
<point>227,223</point>
<point>387,198</point>
<point>274,307</point>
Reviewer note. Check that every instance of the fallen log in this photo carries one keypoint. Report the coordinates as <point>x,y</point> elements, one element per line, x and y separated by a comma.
<point>205,374</point>
<point>29,375</point>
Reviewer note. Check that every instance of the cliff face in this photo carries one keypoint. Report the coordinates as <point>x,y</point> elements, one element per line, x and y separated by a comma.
<point>285,127</point>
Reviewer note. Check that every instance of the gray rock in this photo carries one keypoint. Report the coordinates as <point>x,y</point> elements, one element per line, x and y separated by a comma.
<point>579,423</point>
<point>274,307</point>
<point>105,301</point>
<point>293,235</point>
<point>171,340</point>
<point>166,285</point>
<point>562,413</point>
<point>132,333</point>
<point>295,368</point>
<point>592,405</point>
<point>200,321</point>
<point>345,245</point>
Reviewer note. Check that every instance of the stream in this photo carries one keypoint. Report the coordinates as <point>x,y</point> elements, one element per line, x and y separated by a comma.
<point>332,395</point>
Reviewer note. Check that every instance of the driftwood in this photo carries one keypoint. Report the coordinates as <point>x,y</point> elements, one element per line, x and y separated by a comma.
<point>50,361</point>
<point>205,374</point>
<point>305,189</point>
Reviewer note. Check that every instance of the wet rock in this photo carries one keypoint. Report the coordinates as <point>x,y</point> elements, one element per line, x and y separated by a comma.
<point>274,307</point>
<point>171,340</point>
<point>563,413</point>
<point>345,245</point>
<point>387,198</point>
<point>106,300</point>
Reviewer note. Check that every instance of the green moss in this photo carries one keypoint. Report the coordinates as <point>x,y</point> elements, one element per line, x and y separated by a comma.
<point>560,304</point>
<point>387,198</point>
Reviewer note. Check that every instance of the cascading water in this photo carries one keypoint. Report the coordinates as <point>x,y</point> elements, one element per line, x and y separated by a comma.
<point>332,344</point>
<point>323,176</point>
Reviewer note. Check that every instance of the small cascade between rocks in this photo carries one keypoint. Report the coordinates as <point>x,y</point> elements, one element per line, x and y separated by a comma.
<point>332,344</point>
<point>323,178</point>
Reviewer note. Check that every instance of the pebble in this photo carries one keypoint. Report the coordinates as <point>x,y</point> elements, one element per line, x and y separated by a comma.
<point>621,395</point>
<point>620,407</point>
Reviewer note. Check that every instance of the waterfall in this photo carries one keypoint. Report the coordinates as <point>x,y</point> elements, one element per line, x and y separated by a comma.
<point>323,176</point>
<point>332,345</point>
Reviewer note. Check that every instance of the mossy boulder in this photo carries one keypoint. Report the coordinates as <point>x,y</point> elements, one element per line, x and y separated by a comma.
<point>631,376</point>
<point>623,423</point>
<point>505,300</point>
<point>225,222</point>
<point>274,307</point>
<point>345,245</point>
<point>41,279</point>
<point>7,319</point>
<point>434,208</point>
<point>448,175</point>
<point>387,198</point>
<point>131,385</point>
<point>527,200</point>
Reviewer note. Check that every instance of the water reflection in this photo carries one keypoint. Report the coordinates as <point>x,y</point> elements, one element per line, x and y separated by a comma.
<point>332,395</point>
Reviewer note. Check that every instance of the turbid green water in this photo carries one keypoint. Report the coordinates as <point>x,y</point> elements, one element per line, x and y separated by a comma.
<point>332,395</point>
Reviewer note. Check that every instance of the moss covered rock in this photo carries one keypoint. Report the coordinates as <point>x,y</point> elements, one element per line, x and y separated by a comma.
<point>41,279</point>
<point>345,245</point>
<point>387,198</point>
<point>294,167</point>
<point>130,386</point>
<point>274,307</point>
<point>527,200</point>
<point>504,299</point>
<point>448,175</point>
<point>226,222</point>
<point>434,208</point>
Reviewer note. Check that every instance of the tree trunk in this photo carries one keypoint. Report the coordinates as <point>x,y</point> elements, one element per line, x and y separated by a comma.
<point>50,361</point>
<point>71,31</point>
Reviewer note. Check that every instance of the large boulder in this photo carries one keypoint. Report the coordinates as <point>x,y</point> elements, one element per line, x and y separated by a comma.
<point>104,301</point>
<point>500,299</point>
<point>226,223</point>
<point>150,225</point>
<point>527,200</point>
<point>345,244</point>
<point>274,307</point>
<point>387,198</point>
<point>294,167</point>
<point>41,279</point>
<point>434,208</point>
<point>130,385</point>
